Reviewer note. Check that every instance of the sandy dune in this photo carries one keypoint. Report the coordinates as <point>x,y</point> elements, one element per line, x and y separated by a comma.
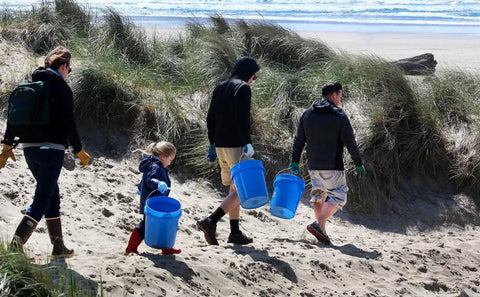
<point>99,209</point>
<point>380,257</point>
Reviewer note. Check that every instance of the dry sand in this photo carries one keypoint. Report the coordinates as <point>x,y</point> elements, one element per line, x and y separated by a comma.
<point>368,258</point>
<point>450,52</point>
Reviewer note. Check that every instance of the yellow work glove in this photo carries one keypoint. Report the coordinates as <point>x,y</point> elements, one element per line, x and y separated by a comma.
<point>84,158</point>
<point>6,153</point>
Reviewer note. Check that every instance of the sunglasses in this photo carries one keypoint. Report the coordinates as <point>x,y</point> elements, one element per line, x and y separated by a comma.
<point>69,69</point>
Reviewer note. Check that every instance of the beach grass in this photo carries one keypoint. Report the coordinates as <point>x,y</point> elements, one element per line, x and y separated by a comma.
<point>152,89</point>
<point>19,277</point>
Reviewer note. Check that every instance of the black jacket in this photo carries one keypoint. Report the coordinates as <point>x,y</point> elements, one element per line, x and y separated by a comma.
<point>63,129</point>
<point>228,118</point>
<point>326,129</point>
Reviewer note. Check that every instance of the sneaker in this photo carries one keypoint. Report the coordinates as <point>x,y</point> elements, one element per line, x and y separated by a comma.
<point>209,230</point>
<point>317,231</point>
<point>239,238</point>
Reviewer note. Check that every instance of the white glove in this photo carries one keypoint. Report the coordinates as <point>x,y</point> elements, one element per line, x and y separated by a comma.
<point>248,150</point>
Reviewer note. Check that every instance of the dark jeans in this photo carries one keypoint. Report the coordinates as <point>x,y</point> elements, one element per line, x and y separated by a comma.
<point>45,165</point>
<point>141,228</point>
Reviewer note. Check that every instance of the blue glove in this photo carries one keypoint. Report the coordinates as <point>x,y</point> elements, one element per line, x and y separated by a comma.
<point>162,187</point>
<point>212,154</point>
<point>294,168</point>
<point>248,150</point>
<point>360,171</point>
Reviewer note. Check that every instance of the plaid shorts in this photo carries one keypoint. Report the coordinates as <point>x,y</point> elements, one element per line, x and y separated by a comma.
<point>329,186</point>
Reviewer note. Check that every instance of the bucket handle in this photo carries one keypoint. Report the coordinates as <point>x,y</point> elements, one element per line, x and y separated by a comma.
<point>148,196</point>
<point>289,172</point>
<point>243,157</point>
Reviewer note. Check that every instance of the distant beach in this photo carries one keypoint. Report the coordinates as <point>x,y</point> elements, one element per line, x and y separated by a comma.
<point>390,29</point>
<point>451,51</point>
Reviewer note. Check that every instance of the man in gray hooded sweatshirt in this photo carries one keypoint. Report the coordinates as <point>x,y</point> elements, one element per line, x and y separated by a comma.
<point>228,123</point>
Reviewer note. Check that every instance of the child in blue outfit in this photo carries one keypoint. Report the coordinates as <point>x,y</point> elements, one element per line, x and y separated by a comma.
<point>155,182</point>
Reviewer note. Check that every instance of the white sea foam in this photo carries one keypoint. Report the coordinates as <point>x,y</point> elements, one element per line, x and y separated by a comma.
<point>462,16</point>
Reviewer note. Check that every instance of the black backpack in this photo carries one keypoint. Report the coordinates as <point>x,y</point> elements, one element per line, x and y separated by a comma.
<point>28,115</point>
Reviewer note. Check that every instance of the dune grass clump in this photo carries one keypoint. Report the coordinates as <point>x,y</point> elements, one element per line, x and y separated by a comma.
<point>402,140</point>
<point>161,117</point>
<point>281,46</point>
<point>454,99</point>
<point>121,35</point>
<point>220,46</point>
<point>74,15</point>
<point>40,30</point>
<point>103,99</point>
<point>219,58</point>
<point>465,168</point>
<point>282,92</point>
<point>454,96</point>
<point>46,25</point>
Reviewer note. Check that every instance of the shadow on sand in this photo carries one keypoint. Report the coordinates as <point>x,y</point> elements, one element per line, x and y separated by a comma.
<point>347,249</point>
<point>171,264</point>
<point>352,250</point>
<point>63,278</point>
<point>262,255</point>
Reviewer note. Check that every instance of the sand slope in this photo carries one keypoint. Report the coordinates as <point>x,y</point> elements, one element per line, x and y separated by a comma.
<point>99,207</point>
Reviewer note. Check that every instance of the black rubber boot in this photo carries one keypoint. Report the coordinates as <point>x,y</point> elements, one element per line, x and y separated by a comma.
<point>54,227</point>
<point>22,234</point>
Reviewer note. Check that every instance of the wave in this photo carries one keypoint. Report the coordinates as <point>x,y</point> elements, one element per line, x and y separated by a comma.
<point>408,12</point>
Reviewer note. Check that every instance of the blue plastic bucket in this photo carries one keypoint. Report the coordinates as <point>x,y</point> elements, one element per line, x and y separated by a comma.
<point>161,221</point>
<point>288,189</point>
<point>249,179</point>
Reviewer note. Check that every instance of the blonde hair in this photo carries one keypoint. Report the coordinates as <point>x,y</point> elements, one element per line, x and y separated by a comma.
<point>162,148</point>
<point>57,57</point>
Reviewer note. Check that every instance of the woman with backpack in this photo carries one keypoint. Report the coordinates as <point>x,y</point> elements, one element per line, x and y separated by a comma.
<point>44,152</point>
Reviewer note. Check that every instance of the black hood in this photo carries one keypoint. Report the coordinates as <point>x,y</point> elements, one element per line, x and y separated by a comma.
<point>43,74</point>
<point>244,68</point>
<point>324,106</point>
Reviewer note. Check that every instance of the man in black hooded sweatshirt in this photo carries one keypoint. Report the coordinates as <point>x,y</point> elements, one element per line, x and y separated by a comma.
<point>228,123</point>
<point>326,130</point>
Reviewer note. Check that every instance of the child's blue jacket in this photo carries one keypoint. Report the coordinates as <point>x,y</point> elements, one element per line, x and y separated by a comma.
<point>153,171</point>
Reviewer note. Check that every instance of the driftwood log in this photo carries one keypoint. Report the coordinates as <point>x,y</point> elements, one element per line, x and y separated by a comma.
<point>418,65</point>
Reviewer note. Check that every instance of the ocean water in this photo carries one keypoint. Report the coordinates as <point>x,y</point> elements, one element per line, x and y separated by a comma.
<point>409,16</point>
